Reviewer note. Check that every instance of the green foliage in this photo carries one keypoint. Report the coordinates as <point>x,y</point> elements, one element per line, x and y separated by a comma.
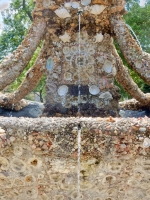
<point>138,18</point>
<point>16,23</point>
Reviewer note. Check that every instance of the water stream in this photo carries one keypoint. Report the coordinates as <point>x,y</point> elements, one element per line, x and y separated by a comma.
<point>79,102</point>
<point>134,35</point>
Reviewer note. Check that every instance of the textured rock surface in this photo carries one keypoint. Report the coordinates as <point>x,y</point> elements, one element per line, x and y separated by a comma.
<point>33,110</point>
<point>39,158</point>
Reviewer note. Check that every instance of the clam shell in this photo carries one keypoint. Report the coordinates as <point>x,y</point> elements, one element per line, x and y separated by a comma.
<point>94,90</point>
<point>75,4</point>
<point>146,143</point>
<point>85,2</point>
<point>106,96</point>
<point>97,9</point>
<point>66,50</point>
<point>62,13</point>
<point>62,90</point>
<point>67,4</point>
<point>107,67</point>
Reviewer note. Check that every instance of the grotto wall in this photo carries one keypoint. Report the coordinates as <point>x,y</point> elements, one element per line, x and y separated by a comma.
<point>39,158</point>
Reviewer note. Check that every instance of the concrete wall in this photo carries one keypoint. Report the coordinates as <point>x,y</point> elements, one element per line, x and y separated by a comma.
<point>39,158</point>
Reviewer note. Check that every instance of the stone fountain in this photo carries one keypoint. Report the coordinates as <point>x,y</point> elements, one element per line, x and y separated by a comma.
<point>38,157</point>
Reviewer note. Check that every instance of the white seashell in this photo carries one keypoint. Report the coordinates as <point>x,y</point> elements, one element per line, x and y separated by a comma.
<point>114,71</point>
<point>85,2</point>
<point>107,67</point>
<point>66,50</point>
<point>94,90</point>
<point>2,131</point>
<point>62,13</point>
<point>67,4</point>
<point>74,49</point>
<point>62,90</point>
<point>68,76</point>
<point>75,5</point>
<point>106,96</point>
<point>146,143</point>
<point>138,64</point>
<point>65,38</point>
<point>99,37</point>
<point>97,9</point>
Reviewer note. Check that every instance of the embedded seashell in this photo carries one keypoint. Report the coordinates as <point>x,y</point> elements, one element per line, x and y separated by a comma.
<point>62,13</point>
<point>138,64</point>
<point>84,76</point>
<point>68,58</point>
<point>85,2</point>
<point>31,193</point>
<point>68,76</point>
<point>106,96</point>
<point>114,71</point>
<point>18,151</point>
<point>107,67</point>
<point>91,50</point>
<point>75,5</point>
<point>56,178</point>
<point>65,37</point>
<point>47,3</point>
<point>62,90</point>
<point>4,164</point>
<point>18,182</point>
<point>74,49</point>
<point>2,131</point>
<point>90,69</point>
<point>74,195</point>
<point>91,60</point>
<point>97,9</point>
<point>66,50</point>
<point>4,181</point>
<point>67,4</point>
<point>99,37</point>
<point>35,162</point>
<point>18,165</point>
<point>52,87</point>
<point>57,197</point>
<point>94,90</point>
<point>49,64</point>
<point>80,60</point>
<point>30,179</point>
<point>146,143</point>
<point>109,179</point>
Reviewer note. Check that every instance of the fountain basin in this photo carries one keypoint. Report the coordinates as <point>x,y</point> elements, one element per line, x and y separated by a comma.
<point>39,158</point>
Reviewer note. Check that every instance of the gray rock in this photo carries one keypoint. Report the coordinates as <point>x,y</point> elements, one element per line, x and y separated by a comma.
<point>33,110</point>
<point>132,113</point>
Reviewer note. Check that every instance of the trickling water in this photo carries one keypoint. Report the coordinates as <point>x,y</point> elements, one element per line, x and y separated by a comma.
<point>79,102</point>
<point>134,35</point>
<point>10,114</point>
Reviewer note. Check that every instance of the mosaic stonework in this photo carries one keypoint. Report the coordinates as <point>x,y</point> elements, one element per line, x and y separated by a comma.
<point>38,158</point>
<point>94,66</point>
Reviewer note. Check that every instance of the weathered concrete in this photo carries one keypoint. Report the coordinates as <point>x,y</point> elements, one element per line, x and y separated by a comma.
<point>39,158</point>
